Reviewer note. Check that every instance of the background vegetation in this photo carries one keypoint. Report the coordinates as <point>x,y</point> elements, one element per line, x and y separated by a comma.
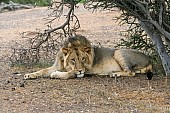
<point>37,2</point>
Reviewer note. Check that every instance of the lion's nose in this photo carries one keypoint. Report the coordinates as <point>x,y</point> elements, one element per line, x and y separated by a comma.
<point>80,71</point>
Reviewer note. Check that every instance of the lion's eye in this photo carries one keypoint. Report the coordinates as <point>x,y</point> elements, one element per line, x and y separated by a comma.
<point>73,61</point>
<point>83,60</point>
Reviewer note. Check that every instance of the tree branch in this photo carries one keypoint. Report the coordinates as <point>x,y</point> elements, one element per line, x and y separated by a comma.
<point>66,22</point>
<point>162,31</point>
<point>161,12</point>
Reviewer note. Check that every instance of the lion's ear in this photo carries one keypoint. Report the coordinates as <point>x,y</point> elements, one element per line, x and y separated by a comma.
<point>87,49</point>
<point>65,51</point>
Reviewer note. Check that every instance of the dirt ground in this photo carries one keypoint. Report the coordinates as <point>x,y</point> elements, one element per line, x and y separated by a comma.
<point>92,94</point>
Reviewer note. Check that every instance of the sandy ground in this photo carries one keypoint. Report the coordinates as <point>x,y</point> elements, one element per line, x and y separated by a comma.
<point>90,94</point>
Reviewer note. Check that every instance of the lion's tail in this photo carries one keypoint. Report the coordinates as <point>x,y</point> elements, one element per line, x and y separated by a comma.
<point>149,74</point>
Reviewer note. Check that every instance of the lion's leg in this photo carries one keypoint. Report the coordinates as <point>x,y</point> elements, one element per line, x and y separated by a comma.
<point>132,73</point>
<point>120,57</point>
<point>145,69</point>
<point>122,73</point>
<point>47,71</point>
<point>42,73</point>
<point>126,67</point>
<point>63,75</point>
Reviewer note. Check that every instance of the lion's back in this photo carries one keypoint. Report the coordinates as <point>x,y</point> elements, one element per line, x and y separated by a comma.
<point>102,53</point>
<point>132,57</point>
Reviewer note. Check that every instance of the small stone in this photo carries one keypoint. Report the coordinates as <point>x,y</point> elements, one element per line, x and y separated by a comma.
<point>13,88</point>
<point>22,85</point>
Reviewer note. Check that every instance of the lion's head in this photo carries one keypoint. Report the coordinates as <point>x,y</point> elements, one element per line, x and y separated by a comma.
<point>77,55</point>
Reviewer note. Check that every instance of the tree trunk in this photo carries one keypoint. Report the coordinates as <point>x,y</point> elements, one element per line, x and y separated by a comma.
<point>157,40</point>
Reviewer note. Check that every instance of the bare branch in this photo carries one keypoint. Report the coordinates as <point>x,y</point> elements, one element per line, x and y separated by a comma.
<point>144,9</point>
<point>166,25</point>
<point>165,33</point>
<point>161,12</point>
<point>66,22</point>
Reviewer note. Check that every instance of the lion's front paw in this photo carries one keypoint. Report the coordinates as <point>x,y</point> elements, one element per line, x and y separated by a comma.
<point>59,75</point>
<point>115,75</point>
<point>29,76</point>
<point>54,75</point>
<point>62,75</point>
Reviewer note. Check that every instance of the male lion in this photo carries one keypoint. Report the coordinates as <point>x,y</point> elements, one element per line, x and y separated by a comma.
<point>77,57</point>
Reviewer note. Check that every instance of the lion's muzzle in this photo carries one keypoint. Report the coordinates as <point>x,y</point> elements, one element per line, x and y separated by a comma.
<point>80,73</point>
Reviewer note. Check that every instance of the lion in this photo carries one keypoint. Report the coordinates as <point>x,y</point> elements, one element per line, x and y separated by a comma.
<point>77,57</point>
